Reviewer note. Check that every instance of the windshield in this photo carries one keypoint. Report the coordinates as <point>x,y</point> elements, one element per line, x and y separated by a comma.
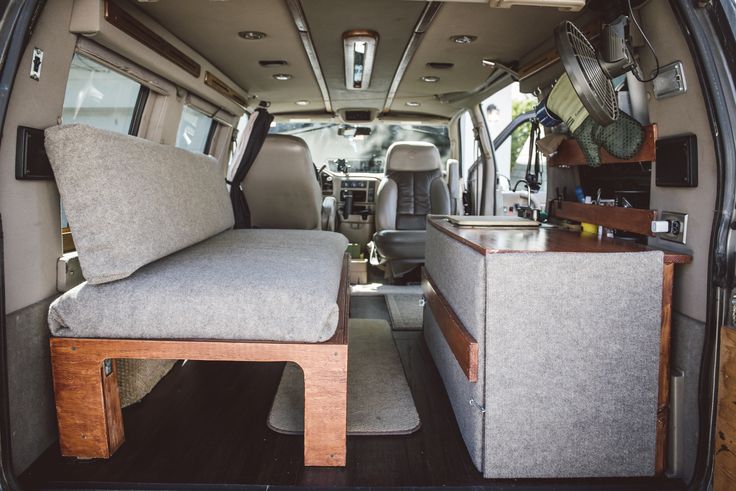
<point>362,147</point>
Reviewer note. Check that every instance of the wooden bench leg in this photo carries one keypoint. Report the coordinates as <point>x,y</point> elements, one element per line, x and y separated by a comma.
<point>325,407</point>
<point>87,404</point>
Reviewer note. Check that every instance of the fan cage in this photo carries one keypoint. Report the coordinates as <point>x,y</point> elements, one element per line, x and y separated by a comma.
<point>599,85</point>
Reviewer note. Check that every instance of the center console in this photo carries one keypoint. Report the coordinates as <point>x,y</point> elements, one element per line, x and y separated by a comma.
<point>356,222</point>
<point>363,192</point>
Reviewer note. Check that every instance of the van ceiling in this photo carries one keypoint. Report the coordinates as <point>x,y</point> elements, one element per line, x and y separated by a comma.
<point>211,28</point>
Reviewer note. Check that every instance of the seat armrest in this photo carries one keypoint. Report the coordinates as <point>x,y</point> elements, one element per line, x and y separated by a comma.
<point>329,213</point>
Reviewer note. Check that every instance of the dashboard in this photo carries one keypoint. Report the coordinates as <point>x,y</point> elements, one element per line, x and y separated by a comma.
<point>363,187</point>
<point>363,190</point>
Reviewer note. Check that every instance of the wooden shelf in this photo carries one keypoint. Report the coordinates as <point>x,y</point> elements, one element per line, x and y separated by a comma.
<point>632,220</point>
<point>570,153</point>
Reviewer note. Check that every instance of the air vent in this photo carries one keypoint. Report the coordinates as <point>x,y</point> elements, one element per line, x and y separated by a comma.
<point>272,63</point>
<point>440,66</point>
<point>357,116</point>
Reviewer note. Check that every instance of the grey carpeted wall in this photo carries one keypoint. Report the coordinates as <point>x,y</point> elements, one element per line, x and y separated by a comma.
<point>568,367</point>
<point>572,367</point>
<point>31,401</point>
<point>686,353</point>
<point>459,273</point>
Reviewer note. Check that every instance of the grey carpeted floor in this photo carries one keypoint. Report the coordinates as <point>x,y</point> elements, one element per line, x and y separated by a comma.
<point>379,398</point>
<point>407,311</point>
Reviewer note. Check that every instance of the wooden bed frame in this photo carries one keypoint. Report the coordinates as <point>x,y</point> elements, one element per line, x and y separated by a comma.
<point>88,401</point>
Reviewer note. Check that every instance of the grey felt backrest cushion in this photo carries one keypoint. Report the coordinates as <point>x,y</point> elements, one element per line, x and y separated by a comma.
<point>130,201</point>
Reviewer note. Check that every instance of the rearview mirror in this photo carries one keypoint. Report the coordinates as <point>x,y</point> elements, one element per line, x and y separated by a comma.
<point>354,131</point>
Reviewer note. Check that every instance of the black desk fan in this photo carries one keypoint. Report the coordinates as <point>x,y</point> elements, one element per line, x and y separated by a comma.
<point>590,72</point>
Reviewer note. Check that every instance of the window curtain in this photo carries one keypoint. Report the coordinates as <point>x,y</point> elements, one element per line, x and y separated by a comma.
<point>255,134</point>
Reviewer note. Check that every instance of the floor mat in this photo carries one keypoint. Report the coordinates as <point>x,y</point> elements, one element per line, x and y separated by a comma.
<point>379,398</point>
<point>407,311</point>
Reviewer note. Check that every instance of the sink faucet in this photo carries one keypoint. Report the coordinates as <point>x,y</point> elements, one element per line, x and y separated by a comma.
<point>528,191</point>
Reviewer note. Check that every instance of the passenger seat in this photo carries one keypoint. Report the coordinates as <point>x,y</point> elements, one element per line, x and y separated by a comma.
<point>412,188</point>
<point>281,189</point>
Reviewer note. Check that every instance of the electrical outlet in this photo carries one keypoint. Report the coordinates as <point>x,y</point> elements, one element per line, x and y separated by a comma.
<point>678,226</point>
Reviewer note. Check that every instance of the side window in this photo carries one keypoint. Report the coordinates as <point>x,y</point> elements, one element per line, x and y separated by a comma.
<point>195,130</point>
<point>472,172</point>
<point>510,130</point>
<point>101,97</point>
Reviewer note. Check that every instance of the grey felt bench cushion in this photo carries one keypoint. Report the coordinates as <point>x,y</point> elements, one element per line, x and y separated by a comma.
<point>278,285</point>
<point>130,201</point>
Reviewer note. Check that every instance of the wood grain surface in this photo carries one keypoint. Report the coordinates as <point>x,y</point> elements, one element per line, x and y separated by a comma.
<point>569,152</point>
<point>725,452</point>
<point>461,342</point>
<point>501,240</point>
<point>633,220</point>
<point>88,403</point>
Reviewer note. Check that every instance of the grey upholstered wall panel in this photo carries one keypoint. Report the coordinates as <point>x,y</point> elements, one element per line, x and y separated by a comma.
<point>248,284</point>
<point>459,273</point>
<point>130,201</point>
<point>686,353</point>
<point>685,113</point>
<point>31,402</point>
<point>571,368</point>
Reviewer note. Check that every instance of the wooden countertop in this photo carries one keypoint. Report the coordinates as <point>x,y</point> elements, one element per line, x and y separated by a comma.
<point>497,240</point>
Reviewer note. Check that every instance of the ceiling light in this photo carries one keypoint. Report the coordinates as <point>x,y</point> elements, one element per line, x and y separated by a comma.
<point>302,103</point>
<point>282,76</point>
<point>252,35</point>
<point>413,103</point>
<point>360,52</point>
<point>430,79</point>
<point>463,39</point>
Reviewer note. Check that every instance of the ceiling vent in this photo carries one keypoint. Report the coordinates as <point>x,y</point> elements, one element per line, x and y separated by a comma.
<point>440,66</point>
<point>272,63</point>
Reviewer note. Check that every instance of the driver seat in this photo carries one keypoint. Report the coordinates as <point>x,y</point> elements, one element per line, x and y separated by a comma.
<point>282,191</point>
<point>411,189</point>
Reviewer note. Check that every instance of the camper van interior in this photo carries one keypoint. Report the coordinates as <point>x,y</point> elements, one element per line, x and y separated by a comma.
<point>368,243</point>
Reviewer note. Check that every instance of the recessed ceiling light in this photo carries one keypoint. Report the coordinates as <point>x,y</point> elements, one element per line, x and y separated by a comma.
<point>252,35</point>
<point>463,39</point>
<point>282,76</point>
<point>302,103</point>
<point>430,79</point>
<point>413,103</point>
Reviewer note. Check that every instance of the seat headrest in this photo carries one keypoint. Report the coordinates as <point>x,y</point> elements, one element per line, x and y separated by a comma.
<point>286,148</point>
<point>412,157</point>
